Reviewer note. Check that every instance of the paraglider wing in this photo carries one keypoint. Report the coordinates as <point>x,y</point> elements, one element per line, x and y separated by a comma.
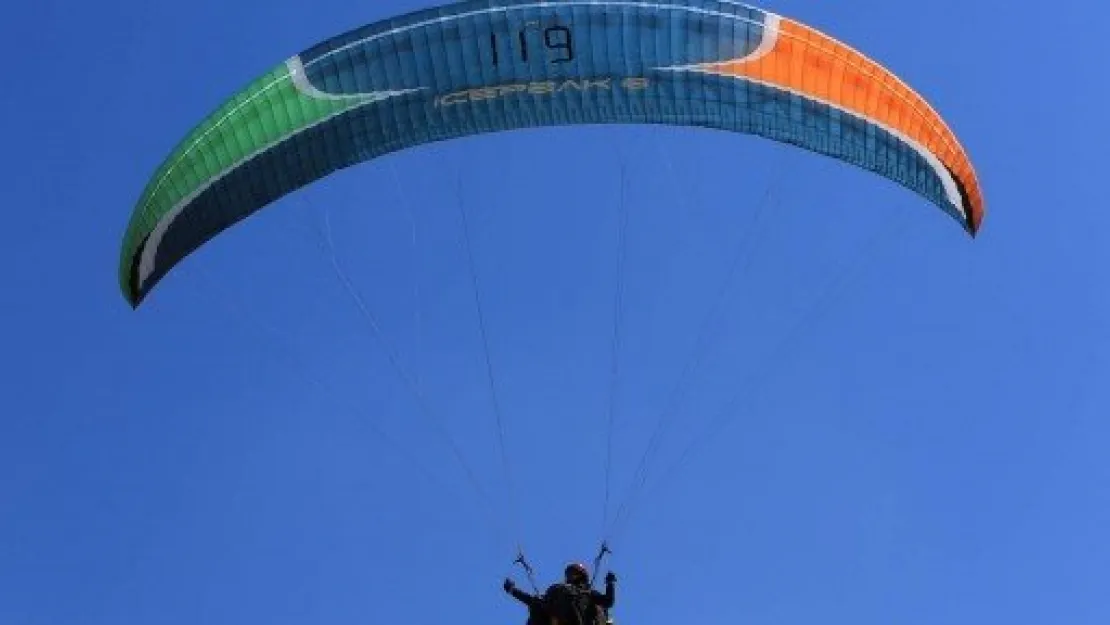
<point>492,65</point>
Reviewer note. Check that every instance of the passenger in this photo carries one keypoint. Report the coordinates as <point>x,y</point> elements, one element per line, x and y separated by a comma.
<point>537,614</point>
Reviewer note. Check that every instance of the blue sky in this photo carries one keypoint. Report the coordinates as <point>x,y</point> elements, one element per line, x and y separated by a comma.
<point>925,445</point>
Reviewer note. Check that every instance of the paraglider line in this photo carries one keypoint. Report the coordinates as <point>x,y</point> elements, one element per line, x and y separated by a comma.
<point>528,572</point>
<point>263,327</point>
<point>743,257</point>
<point>318,384</point>
<point>597,562</point>
<point>394,360</point>
<point>821,306</point>
<point>498,415</point>
<point>406,205</point>
<point>618,314</point>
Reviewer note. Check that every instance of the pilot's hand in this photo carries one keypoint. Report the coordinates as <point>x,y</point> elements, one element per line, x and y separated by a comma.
<point>610,577</point>
<point>509,586</point>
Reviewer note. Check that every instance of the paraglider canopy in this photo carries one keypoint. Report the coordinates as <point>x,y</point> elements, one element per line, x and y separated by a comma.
<point>493,65</point>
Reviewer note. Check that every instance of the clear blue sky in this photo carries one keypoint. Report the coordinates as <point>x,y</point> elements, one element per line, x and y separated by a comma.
<point>929,448</point>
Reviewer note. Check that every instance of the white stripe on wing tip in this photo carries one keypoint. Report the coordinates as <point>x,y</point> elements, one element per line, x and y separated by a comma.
<point>305,87</point>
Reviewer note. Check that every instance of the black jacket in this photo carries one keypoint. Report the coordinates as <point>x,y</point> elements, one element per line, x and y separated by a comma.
<point>537,612</point>
<point>579,605</point>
